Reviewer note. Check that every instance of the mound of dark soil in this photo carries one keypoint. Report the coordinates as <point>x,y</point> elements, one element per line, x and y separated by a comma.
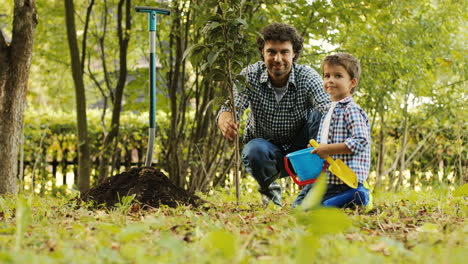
<point>150,187</point>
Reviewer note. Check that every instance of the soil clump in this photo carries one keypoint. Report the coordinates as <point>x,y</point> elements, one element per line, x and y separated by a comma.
<point>150,187</point>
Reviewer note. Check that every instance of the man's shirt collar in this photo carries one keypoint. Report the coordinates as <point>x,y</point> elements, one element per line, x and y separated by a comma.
<point>292,77</point>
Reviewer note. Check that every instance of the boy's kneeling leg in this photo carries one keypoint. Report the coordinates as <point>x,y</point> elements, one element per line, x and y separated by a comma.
<point>359,196</point>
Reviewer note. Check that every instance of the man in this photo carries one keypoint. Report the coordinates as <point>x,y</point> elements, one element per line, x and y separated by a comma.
<point>286,101</point>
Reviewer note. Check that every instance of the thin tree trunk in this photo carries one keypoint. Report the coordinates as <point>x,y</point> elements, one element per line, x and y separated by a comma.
<point>381,153</point>
<point>15,62</point>
<point>84,158</point>
<point>110,138</point>
<point>177,103</point>
<point>399,182</point>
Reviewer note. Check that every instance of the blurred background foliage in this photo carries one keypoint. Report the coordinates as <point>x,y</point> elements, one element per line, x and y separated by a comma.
<point>413,84</point>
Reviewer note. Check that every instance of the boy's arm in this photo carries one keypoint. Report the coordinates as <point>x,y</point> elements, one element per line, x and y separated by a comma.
<point>325,150</point>
<point>358,125</point>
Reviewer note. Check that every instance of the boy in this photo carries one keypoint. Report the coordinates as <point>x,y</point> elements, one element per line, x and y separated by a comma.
<point>344,132</point>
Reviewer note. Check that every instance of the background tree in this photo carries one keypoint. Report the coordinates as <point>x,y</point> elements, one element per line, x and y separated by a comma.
<point>403,47</point>
<point>15,62</point>
<point>84,158</point>
<point>226,39</point>
<point>413,85</point>
<point>109,146</point>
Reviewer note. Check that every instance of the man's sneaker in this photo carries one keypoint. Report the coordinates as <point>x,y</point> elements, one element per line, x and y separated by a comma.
<point>272,194</point>
<point>265,200</point>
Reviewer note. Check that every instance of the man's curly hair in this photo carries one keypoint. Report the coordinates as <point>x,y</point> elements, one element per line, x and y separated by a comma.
<point>281,32</point>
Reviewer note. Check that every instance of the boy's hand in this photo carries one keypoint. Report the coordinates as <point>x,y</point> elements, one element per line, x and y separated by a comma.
<point>322,150</point>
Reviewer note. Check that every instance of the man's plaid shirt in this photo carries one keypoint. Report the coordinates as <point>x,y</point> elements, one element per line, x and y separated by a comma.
<point>349,124</point>
<point>279,122</point>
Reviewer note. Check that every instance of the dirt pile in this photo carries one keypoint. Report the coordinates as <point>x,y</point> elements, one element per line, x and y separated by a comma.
<point>150,187</point>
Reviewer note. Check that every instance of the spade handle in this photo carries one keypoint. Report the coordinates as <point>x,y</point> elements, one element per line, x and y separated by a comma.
<point>328,159</point>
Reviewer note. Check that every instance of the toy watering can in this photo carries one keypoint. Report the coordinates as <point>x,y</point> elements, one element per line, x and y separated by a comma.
<point>307,166</point>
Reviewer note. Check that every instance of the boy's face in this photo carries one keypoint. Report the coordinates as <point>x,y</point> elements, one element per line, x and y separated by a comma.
<point>337,82</point>
<point>278,58</point>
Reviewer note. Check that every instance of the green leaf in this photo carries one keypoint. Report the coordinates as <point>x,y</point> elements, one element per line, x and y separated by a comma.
<point>241,21</point>
<point>195,48</point>
<point>306,248</point>
<point>461,191</point>
<point>221,243</point>
<point>429,227</point>
<point>315,195</point>
<point>212,56</point>
<point>224,7</point>
<point>210,26</point>
<point>131,232</point>
<point>216,75</point>
<point>23,219</point>
<point>323,220</point>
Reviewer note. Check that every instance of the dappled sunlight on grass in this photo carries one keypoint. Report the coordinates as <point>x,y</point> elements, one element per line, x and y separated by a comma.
<point>406,227</point>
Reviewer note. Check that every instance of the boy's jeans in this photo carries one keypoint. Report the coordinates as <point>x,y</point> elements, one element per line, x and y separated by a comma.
<point>338,195</point>
<point>264,160</point>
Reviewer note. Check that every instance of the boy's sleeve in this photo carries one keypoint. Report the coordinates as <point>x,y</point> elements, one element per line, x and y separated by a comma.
<point>358,124</point>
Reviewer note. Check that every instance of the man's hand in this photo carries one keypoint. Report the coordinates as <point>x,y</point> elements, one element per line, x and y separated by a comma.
<point>227,126</point>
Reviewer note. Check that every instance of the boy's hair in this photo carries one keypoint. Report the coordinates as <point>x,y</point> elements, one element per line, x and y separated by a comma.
<point>281,32</point>
<point>347,61</point>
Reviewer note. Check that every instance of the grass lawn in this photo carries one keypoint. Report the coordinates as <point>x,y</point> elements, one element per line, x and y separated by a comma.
<point>406,227</point>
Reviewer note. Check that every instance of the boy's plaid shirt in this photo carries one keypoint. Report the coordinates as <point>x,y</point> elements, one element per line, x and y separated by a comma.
<point>350,125</point>
<point>279,122</point>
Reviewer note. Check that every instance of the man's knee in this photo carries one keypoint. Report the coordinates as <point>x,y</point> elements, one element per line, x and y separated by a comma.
<point>256,149</point>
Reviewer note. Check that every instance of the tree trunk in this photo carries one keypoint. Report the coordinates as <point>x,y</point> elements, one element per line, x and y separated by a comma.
<point>109,146</point>
<point>404,140</point>
<point>174,157</point>
<point>15,62</point>
<point>84,159</point>
<point>381,153</point>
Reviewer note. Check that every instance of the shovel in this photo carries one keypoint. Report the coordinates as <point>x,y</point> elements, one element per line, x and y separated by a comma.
<point>152,11</point>
<point>340,169</point>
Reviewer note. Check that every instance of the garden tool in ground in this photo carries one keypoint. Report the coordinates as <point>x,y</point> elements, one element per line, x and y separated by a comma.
<point>152,112</point>
<point>340,169</point>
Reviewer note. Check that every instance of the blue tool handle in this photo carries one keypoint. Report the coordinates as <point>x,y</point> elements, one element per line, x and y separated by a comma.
<point>147,9</point>
<point>152,11</point>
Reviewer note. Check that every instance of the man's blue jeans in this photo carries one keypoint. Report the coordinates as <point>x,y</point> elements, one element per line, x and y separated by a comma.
<point>264,160</point>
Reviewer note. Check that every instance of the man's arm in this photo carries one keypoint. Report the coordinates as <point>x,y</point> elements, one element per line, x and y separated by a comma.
<point>225,120</point>
<point>320,98</point>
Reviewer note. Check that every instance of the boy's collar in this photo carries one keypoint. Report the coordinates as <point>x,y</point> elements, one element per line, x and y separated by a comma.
<point>346,100</point>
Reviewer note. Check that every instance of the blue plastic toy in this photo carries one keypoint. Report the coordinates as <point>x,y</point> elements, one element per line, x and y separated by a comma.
<point>307,166</point>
